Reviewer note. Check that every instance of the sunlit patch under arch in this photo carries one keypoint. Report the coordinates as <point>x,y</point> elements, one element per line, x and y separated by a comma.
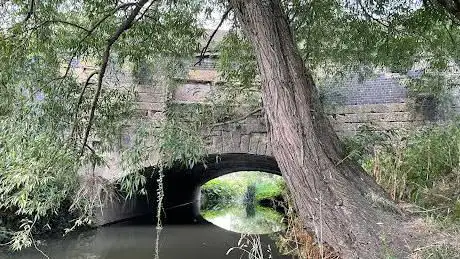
<point>244,202</point>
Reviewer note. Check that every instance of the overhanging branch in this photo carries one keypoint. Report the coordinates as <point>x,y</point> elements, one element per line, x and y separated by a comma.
<point>89,33</point>
<point>80,101</point>
<point>237,119</point>
<point>203,51</point>
<point>128,23</point>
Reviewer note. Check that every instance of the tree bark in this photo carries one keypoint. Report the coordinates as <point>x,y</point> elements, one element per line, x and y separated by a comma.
<point>334,197</point>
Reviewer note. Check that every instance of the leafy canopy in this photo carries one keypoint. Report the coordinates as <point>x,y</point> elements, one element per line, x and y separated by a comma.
<point>61,91</point>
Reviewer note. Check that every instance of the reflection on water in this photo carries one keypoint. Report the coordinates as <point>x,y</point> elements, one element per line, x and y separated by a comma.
<point>126,241</point>
<point>249,219</point>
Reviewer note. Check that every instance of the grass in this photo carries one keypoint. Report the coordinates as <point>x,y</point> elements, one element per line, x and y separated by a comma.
<point>421,167</point>
<point>232,187</point>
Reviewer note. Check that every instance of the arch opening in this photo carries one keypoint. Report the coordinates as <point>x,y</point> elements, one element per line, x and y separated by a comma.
<point>182,188</point>
<point>244,202</point>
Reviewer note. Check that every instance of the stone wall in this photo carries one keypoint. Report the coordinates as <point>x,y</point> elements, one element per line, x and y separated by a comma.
<point>379,102</point>
<point>248,136</point>
<point>385,88</point>
<point>347,119</point>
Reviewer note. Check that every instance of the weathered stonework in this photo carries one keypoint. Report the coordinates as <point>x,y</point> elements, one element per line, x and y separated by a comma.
<point>384,109</point>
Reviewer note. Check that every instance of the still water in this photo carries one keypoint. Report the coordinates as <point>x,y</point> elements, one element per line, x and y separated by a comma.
<point>250,219</point>
<point>135,240</point>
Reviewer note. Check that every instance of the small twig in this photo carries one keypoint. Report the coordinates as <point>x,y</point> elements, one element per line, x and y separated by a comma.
<point>91,149</point>
<point>203,51</point>
<point>368,15</point>
<point>59,21</point>
<point>236,120</point>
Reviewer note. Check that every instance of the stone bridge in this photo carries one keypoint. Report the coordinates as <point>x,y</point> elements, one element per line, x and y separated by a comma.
<point>243,145</point>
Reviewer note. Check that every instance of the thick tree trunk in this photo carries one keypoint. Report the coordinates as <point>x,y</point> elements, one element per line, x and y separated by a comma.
<point>335,198</point>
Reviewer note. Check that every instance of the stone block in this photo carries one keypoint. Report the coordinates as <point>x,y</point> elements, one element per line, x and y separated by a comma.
<point>216,146</point>
<point>269,150</point>
<point>262,146</point>
<point>235,142</point>
<point>151,97</point>
<point>254,143</point>
<point>244,144</point>
<point>192,93</point>
<point>226,142</point>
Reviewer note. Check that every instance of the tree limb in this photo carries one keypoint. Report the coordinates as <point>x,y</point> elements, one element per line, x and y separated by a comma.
<point>30,12</point>
<point>89,32</point>
<point>237,119</point>
<point>128,23</point>
<point>144,13</point>
<point>80,101</point>
<point>203,51</point>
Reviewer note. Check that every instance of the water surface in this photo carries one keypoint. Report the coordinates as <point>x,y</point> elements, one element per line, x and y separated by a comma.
<point>250,219</point>
<point>128,240</point>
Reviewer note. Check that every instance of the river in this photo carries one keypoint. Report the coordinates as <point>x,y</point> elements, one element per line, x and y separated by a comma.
<point>136,239</point>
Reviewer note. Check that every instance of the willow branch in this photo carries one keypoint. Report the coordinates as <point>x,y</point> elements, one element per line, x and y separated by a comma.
<point>31,11</point>
<point>203,51</point>
<point>80,101</point>
<point>451,7</point>
<point>60,21</point>
<point>89,33</point>
<point>127,24</point>
<point>237,119</point>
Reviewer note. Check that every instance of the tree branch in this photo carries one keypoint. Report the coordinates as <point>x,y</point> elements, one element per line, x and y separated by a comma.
<point>30,12</point>
<point>80,101</point>
<point>89,32</point>
<point>63,22</point>
<point>144,13</point>
<point>237,119</point>
<point>203,51</point>
<point>368,15</point>
<point>128,23</point>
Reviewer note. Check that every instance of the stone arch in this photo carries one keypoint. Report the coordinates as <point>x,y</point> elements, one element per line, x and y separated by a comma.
<point>182,187</point>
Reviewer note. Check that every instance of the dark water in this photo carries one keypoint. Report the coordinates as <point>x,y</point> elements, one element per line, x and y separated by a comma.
<point>134,240</point>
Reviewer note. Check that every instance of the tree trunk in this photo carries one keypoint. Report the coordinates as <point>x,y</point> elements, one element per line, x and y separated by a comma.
<point>334,197</point>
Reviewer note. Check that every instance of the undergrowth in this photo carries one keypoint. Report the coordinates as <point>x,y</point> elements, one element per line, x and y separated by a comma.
<point>421,167</point>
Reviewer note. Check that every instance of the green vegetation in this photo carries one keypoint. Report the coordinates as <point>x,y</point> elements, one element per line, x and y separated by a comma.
<point>58,120</point>
<point>232,188</point>
<point>422,166</point>
<point>235,218</point>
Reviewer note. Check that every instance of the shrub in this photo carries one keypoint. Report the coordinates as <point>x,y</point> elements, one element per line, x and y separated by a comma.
<point>220,192</point>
